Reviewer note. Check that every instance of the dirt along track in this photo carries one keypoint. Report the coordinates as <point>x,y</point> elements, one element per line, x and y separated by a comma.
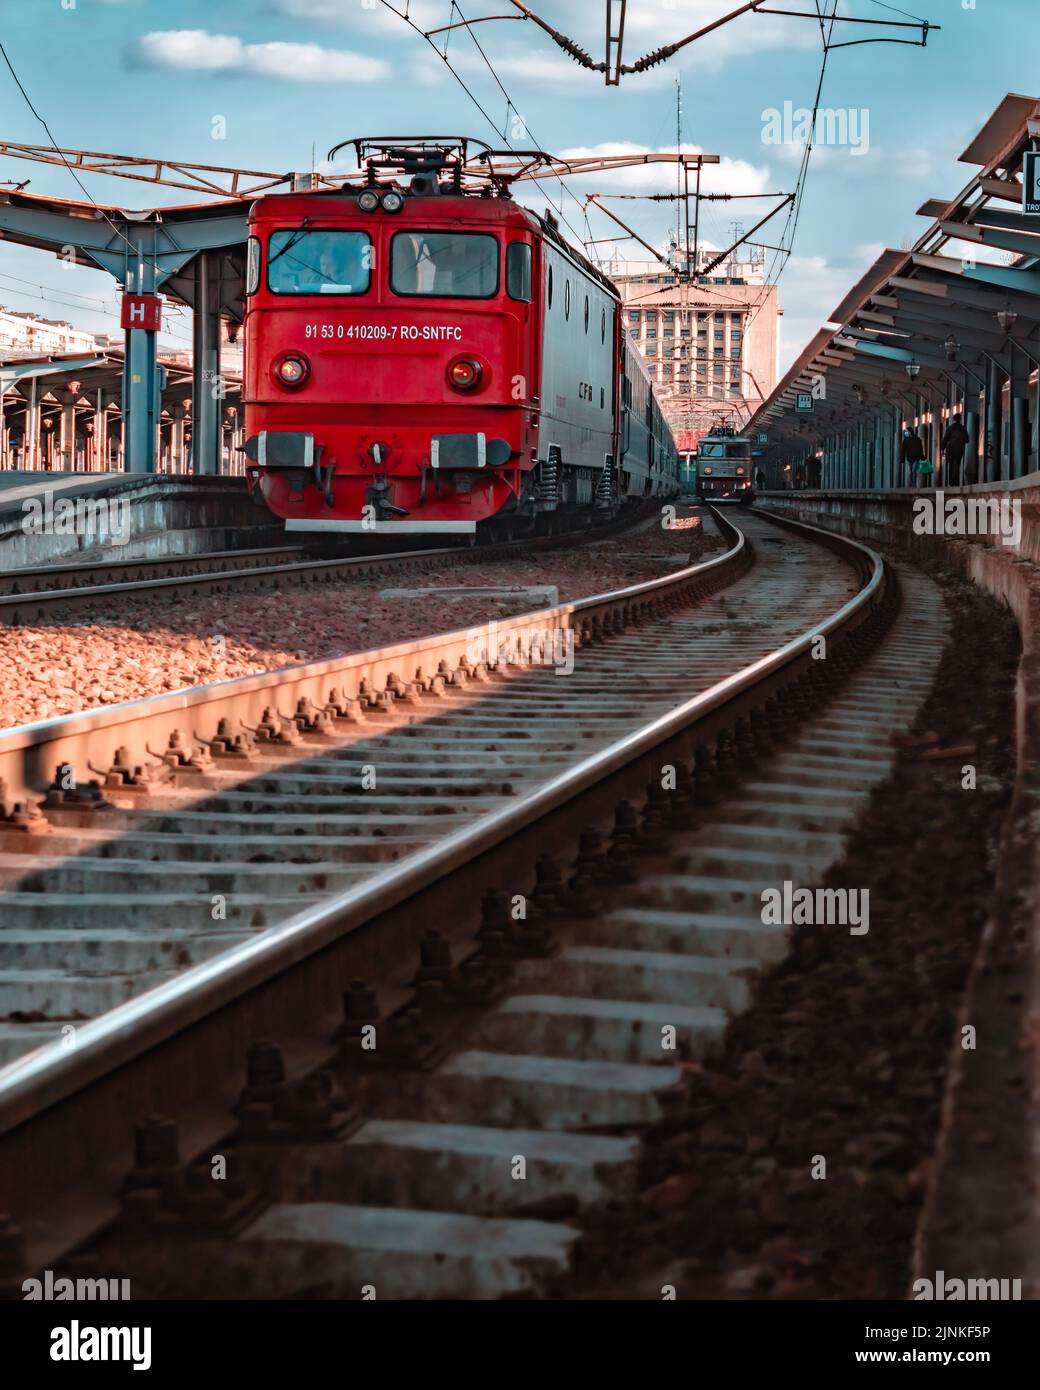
<point>146,637</point>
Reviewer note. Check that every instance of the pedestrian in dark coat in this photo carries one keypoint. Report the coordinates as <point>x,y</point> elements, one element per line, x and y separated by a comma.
<point>955,441</point>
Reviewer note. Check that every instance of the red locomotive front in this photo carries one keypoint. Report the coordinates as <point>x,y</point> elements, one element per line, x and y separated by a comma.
<point>390,381</point>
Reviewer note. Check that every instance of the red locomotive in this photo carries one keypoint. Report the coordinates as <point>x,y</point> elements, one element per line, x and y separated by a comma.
<point>424,355</point>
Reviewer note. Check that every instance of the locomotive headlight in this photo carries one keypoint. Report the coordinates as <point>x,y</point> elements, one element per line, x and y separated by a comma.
<point>368,201</point>
<point>392,201</point>
<point>707,470</point>
<point>464,373</point>
<point>740,472</point>
<point>292,371</point>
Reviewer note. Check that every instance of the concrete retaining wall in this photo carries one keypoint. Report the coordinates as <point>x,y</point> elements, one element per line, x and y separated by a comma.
<point>982,1214</point>
<point>162,515</point>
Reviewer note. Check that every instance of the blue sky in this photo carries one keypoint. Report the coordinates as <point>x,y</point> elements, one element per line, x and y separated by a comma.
<point>149,77</point>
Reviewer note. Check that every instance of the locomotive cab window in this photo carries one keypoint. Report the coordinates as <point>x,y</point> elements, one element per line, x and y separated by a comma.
<point>444,265</point>
<point>518,271</point>
<point>319,262</point>
<point>252,265</point>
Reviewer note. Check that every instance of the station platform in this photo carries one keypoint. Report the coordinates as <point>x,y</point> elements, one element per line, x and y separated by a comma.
<point>17,484</point>
<point>49,518</point>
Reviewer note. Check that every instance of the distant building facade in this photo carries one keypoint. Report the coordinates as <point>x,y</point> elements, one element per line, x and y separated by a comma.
<point>710,341</point>
<point>24,335</point>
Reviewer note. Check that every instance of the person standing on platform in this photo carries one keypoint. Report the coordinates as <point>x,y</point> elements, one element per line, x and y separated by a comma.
<point>954,442</point>
<point>911,452</point>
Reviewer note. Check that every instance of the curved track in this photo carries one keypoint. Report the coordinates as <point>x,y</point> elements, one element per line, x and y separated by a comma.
<point>331,864</point>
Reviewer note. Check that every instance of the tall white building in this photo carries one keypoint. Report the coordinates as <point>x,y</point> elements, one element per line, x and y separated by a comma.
<point>709,340</point>
<point>24,335</point>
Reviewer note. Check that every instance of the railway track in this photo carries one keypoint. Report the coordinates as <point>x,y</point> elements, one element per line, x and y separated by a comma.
<point>434,1130</point>
<point>35,595</point>
<point>91,574</point>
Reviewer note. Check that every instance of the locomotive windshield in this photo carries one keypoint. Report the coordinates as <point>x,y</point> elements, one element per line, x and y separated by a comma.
<point>301,262</point>
<point>739,449</point>
<point>460,265</point>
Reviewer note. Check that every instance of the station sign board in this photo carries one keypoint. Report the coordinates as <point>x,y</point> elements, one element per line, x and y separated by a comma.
<point>142,311</point>
<point>803,402</point>
<point>1031,182</point>
<point>763,438</point>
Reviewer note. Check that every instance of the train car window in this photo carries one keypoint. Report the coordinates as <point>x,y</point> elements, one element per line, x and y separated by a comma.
<point>549,282</point>
<point>518,271</point>
<point>252,265</point>
<point>567,299</point>
<point>444,265</point>
<point>603,326</point>
<point>319,262</point>
<point>602,398</point>
<point>586,313</point>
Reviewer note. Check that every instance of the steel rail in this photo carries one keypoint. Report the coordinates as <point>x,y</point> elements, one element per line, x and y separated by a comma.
<point>117,1039</point>
<point>23,608</point>
<point>30,753</point>
<point>71,575</point>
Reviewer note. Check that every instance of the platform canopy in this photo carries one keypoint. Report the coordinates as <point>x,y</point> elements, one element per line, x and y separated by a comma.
<point>194,254</point>
<point>926,330</point>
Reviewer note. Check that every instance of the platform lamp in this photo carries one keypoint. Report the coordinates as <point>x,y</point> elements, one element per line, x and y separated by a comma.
<point>951,347</point>
<point>1007,318</point>
<point>913,369</point>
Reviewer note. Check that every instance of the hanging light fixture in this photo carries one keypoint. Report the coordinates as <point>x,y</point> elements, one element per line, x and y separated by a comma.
<point>913,369</point>
<point>1007,318</point>
<point>952,348</point>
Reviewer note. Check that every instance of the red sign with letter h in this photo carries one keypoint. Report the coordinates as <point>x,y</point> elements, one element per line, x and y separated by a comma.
<point>142,311</point>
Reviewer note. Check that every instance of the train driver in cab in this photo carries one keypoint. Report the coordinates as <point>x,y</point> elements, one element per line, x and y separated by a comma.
<point>342,266</point>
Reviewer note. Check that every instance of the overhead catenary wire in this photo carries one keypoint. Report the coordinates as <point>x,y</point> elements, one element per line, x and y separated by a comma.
<point>783,253</point>
<point>61,154</point>
<point>462,83</point>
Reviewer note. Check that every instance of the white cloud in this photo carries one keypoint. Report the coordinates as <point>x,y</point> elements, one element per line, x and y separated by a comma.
<point>546,67</point>
<point>878,160</point>
<point>728,176</point>
<point>809,289</point>
<point>198,50</point>
<point>361,18</point>
<point>648,25</point>
<point>913,163</point>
